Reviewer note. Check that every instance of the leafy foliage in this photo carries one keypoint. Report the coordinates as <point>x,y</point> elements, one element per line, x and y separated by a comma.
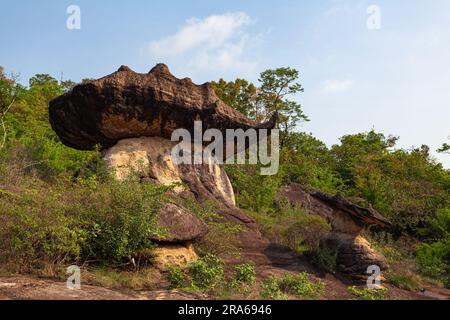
<point>369,294</point>
<point>206,272</point>
<point>71,221</point>
<point>271,290</point>
<point>294,228</point>
<point>244,274</point>
<point>300,285</point>
<point>176,277</point>
<point>259,103</point>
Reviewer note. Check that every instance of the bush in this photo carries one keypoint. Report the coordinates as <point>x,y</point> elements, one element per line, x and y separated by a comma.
<point>244,274</point>
<point>300,285</point>
<point>369,294</point>
<point>434,259</point>
<point>176,277</point>
<point>63,220</point>
<point>119,217</point>
<point>254,191</point>
<point>35,228</point>
<point>206,272</point>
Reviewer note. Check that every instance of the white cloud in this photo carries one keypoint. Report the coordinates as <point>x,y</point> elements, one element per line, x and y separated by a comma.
<point>336,86</point>
<point>214,42</point>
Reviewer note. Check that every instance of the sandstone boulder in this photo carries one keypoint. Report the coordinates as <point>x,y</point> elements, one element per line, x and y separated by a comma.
<point>354,254</point>
<point>179,225</point>
<point>178,255</point>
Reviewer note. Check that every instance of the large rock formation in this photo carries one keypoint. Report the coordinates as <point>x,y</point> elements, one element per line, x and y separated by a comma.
<point>354,253</point>
<point>132,117</point>
<point>126,104</point>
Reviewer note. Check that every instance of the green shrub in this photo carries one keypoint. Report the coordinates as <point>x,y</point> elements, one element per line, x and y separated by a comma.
<point>369,294</point>
<point>119,217</point>
<point>305,232</point>
<point>300,285</point>
<point>434,259</point>
<point>206,272</point>
<point>270,289</point>
<point>35,228</point>
<point>176,277</point>
<point>66,220</point>
<point>254,191</point>
<point>438,227</point>
<point>244,273</point>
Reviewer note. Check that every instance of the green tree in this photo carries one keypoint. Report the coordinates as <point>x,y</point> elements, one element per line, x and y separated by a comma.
<point>276,86</point>
<point>259,103</point>
<point>445,148</point>
<point>67,85</point>
<point>239,94</point>
<point>46,86</point>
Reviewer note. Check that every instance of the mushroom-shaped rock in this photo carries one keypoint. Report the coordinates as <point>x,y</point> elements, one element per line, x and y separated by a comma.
<point>126,104</point>
<point>353,253</point>
<point>179,225</point>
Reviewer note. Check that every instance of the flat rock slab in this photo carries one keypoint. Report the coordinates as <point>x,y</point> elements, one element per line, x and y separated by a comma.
<point>29,288</point>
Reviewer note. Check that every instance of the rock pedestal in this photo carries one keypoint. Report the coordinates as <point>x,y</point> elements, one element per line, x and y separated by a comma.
<point>149,158</point>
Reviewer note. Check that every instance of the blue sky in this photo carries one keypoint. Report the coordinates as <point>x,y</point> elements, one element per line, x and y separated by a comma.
<point>395,79</point>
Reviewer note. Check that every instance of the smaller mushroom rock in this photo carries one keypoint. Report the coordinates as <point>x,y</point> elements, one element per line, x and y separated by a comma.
<point>354,254</point>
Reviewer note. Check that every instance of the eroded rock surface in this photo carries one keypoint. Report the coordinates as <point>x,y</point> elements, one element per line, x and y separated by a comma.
<point>150,159</point>
<point>127,104</point>
<point>179,225</point>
